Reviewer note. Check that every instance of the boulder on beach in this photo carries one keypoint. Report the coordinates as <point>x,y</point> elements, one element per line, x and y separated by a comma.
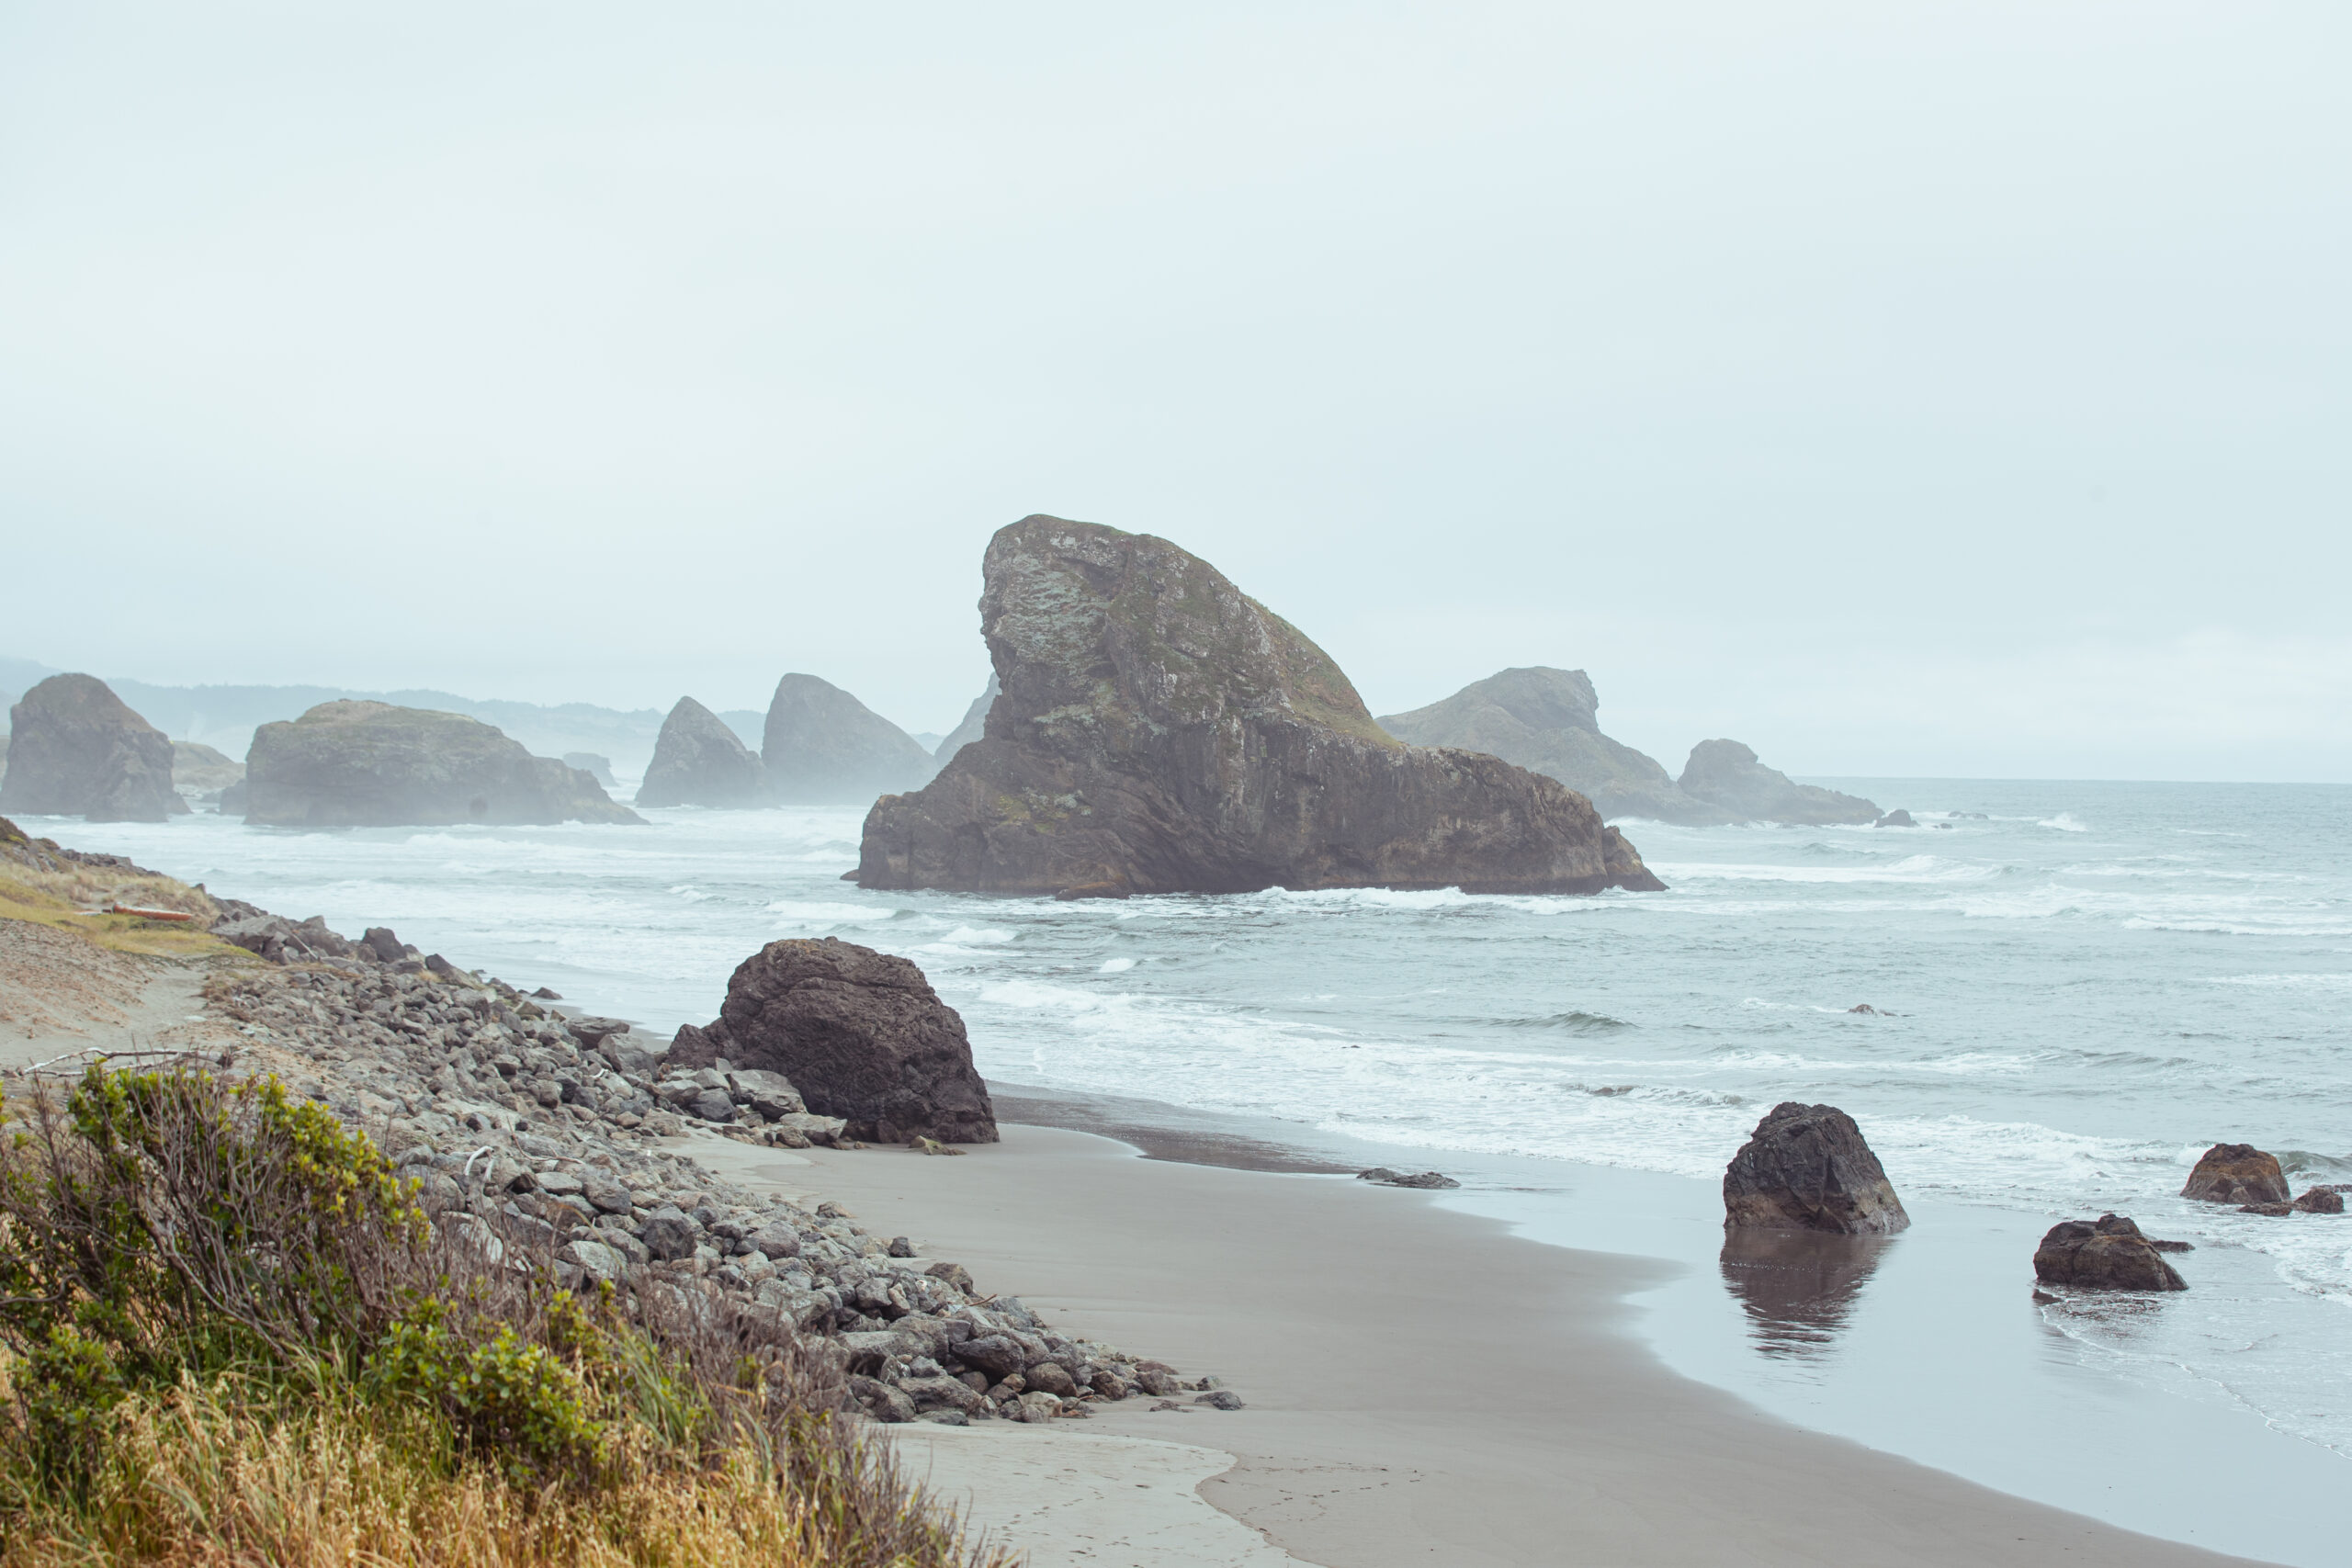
<point>2107,1254</point>
<point>2236,1173</point>
<point>1159,731</point>
<point>860,1034</point>
<point>1726,774</point>
<point>698,761</point>
<point>1806,1167</point>
<point>362,764</point>
<point>975,724</point>
<point>76,750</point>
<point>822,747</point>
<point>1547,721</point>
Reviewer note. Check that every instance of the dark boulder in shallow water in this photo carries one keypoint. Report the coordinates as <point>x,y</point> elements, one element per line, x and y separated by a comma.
<point>2107,1254</point>
<point>1428,1181</point>
<point>2319,1201</point>
<point>2237,1173</point>
<point>1806,1167</point>
<point>861,1035</point>
<point>1160,731</point>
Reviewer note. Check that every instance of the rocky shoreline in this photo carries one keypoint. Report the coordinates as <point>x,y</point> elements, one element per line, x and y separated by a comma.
<point>553,1138</point>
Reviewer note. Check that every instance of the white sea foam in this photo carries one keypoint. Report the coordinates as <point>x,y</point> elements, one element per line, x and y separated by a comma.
<point>1115,965</point>
<point>2066,822</point>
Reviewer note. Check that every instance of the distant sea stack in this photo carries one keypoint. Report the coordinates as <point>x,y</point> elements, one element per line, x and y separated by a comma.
<point>1725,773</point>
<point>1159,731</point>
<point>700,761</point>
<point>1547,721</point>
<point>199,773</point>
<point>361,765</point>
<point>76,750</point>
<point>975,724</point>
<point>595,764</point>
<point>824,747</point>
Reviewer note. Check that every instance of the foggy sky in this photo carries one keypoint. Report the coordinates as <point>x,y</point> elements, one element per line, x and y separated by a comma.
<point>1930,388</point>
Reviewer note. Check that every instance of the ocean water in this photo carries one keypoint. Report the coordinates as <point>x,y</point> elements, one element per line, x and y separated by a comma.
<point>2078,986</point>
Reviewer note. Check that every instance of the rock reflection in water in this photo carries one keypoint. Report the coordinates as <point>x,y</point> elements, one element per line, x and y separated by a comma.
<point>1798,1286</point>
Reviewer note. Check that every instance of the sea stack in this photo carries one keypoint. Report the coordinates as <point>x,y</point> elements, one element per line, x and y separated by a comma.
<point>1805,1167</point>
<point>76,750</point>
<point>362,764</point>
<point>822,747</point>
<point>698,761</point>
<point>1725,774</point>
<point>860,1033</point>
<point>1547,721</point>
<point>1159,731</point>
<point>975,724</point>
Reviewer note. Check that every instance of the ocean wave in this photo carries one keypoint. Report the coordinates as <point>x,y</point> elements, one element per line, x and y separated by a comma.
<point>2321,982</point>
<point>1914,870</point>
<point>1115,967</point>
<point>1571,1023</point>
<point>794,912</point>
<point>2066,822</point>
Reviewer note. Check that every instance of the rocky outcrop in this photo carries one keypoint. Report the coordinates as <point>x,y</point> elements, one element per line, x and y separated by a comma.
<point>2108,1254</point>
<point>2319,1200</point>
<point>1547,722</point>
<point>1725,773</point>
<point>2236,1173</point>
<point>76,750</point>
<point>201,774</point>
<point>822,747</point>
<point>358,765</point>
<point>1158,732</point>
<point>595,764</point>
<point>700,761</point>
<point>975,724</point>
<point>860,1033</point>
<point>1806,1167</point>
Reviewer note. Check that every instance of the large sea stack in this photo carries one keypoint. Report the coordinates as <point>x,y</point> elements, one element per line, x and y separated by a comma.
<point>1159,731</point>
<point>76,750</point>
<point>1547,721</point>
<point>822,747</point>
<point>860,1033</point>
<point>360,764</point>
<point>700,761</point>
<point>1726,774</point>
<point>1805,1167</point>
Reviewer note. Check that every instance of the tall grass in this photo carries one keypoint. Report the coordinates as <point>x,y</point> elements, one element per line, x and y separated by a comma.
<point>228,1335</point>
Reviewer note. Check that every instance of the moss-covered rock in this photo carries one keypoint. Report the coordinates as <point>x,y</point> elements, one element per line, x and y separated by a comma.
<point>356,765</point>
<point>1159,730</point>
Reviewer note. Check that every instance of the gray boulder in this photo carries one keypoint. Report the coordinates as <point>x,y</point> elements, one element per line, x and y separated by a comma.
<point>1547,721</point>
<point>350,765</point>
<point>698,761</point>
<point>822,747</point>
<point>2107,1254</point>
<point>860,1034</point>
<point>668,1234</point>
<point>1725,773</point>
<point>1806,1167</point>
<point>76,750</point>
<point>769,1094</point>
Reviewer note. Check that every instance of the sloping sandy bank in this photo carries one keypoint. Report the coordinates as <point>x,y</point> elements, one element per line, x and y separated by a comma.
<point>1422,1388</point>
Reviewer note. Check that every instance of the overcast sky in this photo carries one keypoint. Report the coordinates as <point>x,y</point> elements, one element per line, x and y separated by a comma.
<point>1951,389</point>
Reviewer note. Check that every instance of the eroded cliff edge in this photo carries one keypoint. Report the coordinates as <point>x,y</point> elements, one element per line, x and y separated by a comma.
<point>1160,731</point>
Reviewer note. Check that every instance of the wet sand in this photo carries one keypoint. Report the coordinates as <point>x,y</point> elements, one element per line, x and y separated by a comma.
<point>1422,1387</point>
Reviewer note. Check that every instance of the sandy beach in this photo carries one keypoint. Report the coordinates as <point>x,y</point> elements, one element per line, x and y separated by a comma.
<point>1421,1387</point>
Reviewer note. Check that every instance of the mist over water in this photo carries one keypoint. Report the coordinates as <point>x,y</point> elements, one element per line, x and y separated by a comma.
<point>2078,991</point>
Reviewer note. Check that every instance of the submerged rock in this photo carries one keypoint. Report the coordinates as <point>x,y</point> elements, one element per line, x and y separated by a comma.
<point>2236,1173</point>
<point>1726,773</point>
<point>2319,1201</point>
<point>822,747</point>
<point>1159,731</point>
<point>1898,818</point>
<point>76,750</point>
<point>860,1035</point>
<point>356,765</point>
<point>1806,1167</point>
<point>1430,1181</point>
<point>698,761</point>
<point>1547,722</point>
<point>2109,1254</point>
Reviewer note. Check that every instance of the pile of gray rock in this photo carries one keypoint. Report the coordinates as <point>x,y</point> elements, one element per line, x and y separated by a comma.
<point>552,1135</point>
